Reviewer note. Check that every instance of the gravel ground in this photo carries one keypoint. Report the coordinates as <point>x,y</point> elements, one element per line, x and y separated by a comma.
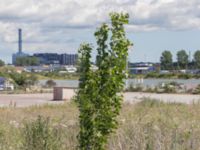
<point>179,98</point>
<point>24,100</point>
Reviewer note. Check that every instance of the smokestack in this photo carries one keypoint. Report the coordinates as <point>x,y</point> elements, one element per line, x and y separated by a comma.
<point>20,40</point>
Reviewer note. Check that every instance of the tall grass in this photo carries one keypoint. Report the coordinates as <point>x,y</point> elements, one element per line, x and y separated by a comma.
<point>39,135</point>
<point>154,125</point>
<point>147,125</point>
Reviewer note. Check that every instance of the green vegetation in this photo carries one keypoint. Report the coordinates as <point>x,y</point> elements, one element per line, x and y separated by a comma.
<point>23,129</point>
<point>134,88</point>
<point>27,61</point>
<point>182,63</point>
<point>21,80</point>
<point>166,60</point>
<point>50,83</point>
<point>99,99</point>
<point>197,90</point>
<point>197,59</point>
<point>169,76</point>
<point>146,125</point>
<point>24,80</point>
<point>2,63</point>
<point>182,59</point>
<point>56,75</point>
<point>39,135</point>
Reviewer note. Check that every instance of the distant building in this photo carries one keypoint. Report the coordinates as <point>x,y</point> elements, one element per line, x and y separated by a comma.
<point>141,68</point>
<point>54,58</point>
<point>68,59</point>
<point>19,54</point>
<point>45,58</point>
<point>48,58</point>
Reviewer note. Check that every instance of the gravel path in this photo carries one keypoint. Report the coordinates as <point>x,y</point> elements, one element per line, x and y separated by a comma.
<point>24,100</point>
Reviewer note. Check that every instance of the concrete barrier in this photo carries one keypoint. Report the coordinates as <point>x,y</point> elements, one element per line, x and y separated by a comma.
<point>63,93</point>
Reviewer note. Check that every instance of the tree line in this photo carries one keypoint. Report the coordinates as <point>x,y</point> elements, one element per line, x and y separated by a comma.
<point>27,61</point>
<point>182,60</point>
<point>24,61</point>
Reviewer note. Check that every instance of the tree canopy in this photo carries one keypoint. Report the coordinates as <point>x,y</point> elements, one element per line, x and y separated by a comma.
<point>182,59</point>
<point>27,61</point>
<point>197,59</point>
<point>166,61</point>
<point>2,63</point>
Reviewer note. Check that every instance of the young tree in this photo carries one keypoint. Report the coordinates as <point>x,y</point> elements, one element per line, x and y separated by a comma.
<point>2,63</point>
<point>84,98</point>
<point>166,60</point>
<point>182,59</point>
<point>197,59</point>
<point>99,97</point>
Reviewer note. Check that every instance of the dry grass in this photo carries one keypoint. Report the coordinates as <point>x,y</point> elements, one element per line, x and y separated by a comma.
<point>148,125</point>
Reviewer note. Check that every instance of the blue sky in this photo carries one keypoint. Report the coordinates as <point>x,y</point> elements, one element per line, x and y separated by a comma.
<point>61,25</point>
<point>148,46</point>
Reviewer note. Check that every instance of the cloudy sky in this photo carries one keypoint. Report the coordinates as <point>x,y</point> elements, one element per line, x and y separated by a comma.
<point>61,25</point>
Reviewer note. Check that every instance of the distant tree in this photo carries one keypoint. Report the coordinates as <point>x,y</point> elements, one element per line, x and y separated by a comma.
<point>182,59</point>
<point>2,63</point>
<point>50,83</point>
<point>31,80</point>
<point>27,61</point>
<point>197,59</point>
<point>24,80</point>
<point>19,79</point>
<point>166,60</point>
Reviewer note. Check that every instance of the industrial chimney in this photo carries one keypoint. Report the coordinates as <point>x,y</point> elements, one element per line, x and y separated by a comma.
<point>20,40</point>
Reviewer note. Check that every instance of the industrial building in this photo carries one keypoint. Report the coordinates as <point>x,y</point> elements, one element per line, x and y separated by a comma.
<point>141,68</point>
<point>45,58</point>
<point>54,58</point>
<point>19,54</point>
<point>68,59</point>
<point>48,58</point>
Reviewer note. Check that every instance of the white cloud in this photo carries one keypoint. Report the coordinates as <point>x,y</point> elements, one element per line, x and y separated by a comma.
<point>161,13</point>
<point>68,21</point>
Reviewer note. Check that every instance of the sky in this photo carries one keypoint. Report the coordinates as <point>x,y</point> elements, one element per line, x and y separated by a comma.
<point>62,25</point>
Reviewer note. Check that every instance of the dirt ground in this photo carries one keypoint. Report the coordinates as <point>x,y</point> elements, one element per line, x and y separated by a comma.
<point>25,100</point>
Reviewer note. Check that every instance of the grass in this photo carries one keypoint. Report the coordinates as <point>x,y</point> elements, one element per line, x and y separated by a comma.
<point>147,125</point>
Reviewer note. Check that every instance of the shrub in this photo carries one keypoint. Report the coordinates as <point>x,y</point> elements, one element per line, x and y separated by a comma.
<point>197,90</point>
<point>3,143</point>
<point>169,88</point>
<point>184,76</point>
<point>50,83</point>
<point>39,135</point>
<point>152,75</point>
<point>134,88</point>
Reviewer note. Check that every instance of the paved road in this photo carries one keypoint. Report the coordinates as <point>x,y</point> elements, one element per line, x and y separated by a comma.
<point>24,100</point>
